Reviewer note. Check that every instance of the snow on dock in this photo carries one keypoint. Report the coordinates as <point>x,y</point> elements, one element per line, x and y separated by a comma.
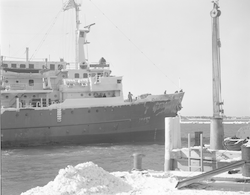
<point>88,178</point>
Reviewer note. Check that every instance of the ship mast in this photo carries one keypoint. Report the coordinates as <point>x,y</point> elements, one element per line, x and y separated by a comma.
<point>70,4</point>
<point>216,126</point>
<point>76,35</point>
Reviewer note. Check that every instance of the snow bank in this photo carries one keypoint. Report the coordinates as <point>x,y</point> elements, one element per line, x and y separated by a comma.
<point>85,178</point>
<point>89,179</point>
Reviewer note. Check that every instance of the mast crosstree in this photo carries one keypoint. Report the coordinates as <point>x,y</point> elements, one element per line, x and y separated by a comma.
<point>80,35</point>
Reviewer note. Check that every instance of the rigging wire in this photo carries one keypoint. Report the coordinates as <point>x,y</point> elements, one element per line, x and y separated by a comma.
<point>46,34</point>
<point>131,42</point>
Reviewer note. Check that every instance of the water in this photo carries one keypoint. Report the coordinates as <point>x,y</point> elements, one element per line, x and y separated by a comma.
<point>26,168</point>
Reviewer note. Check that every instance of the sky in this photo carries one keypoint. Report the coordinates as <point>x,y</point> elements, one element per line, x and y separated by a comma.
<point>156,45</point>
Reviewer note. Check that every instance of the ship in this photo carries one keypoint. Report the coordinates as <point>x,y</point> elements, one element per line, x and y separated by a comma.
<point>51,103</point>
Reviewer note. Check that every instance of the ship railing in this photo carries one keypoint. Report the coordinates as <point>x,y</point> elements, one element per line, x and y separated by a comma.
<point>99,66</point>
<point>73,82</point>
<point>16,86</point>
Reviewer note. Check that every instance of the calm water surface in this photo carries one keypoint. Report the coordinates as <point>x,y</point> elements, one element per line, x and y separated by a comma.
<point>26,168</point>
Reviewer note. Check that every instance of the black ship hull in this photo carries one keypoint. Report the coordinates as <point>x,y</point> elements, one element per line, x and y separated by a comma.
<point>135,122</point>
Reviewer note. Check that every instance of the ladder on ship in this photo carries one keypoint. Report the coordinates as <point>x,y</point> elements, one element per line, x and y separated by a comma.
<point>200,166</point>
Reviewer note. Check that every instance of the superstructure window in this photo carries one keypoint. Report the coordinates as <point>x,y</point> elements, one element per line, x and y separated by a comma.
<point>13,65</point>
<point>5,65</point>
<point>31,66</point>
<point>76,75</point>
<point>31,82</point>
<point>85,75</point>
<point>52,67</point>
<point>22,66</point>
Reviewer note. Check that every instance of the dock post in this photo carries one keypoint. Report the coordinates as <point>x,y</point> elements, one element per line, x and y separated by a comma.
<point>216,134</point>
<point>172,140</point>
<point>245,154</point>
<point>138,161</point>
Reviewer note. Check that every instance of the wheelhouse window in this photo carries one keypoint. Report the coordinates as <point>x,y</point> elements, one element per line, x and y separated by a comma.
<point>77,75</point>
<point>13,65</point>
<point>52,67</point>
<point>31,66</point>
<point>31,82</point>
<point>22,66</point>
<point>85,75</point>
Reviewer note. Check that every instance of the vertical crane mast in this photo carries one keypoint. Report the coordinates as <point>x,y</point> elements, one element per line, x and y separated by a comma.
<point>216,128</point>
<point>217,103</point>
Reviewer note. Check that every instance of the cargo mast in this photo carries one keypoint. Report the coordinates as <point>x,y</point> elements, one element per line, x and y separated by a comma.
<point>216,126</point>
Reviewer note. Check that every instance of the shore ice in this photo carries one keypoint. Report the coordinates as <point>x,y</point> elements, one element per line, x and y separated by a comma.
<point>89,179</point>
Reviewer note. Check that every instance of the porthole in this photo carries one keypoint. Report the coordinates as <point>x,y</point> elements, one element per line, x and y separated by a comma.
<point>6,97</point>
<point>97,111</point>
<point>25,96</point>
<point>34,95</point>
<point>6,81</point>
<point>55,96</point>
<point>81,94</point>
<point>88,111</point>
<point>89,94</point>
<point>17,81</point>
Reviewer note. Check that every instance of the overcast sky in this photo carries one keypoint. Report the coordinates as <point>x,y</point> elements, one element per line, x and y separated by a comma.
<point>155,45</point>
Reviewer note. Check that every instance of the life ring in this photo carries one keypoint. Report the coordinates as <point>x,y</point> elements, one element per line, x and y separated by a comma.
<point>233,143</point>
